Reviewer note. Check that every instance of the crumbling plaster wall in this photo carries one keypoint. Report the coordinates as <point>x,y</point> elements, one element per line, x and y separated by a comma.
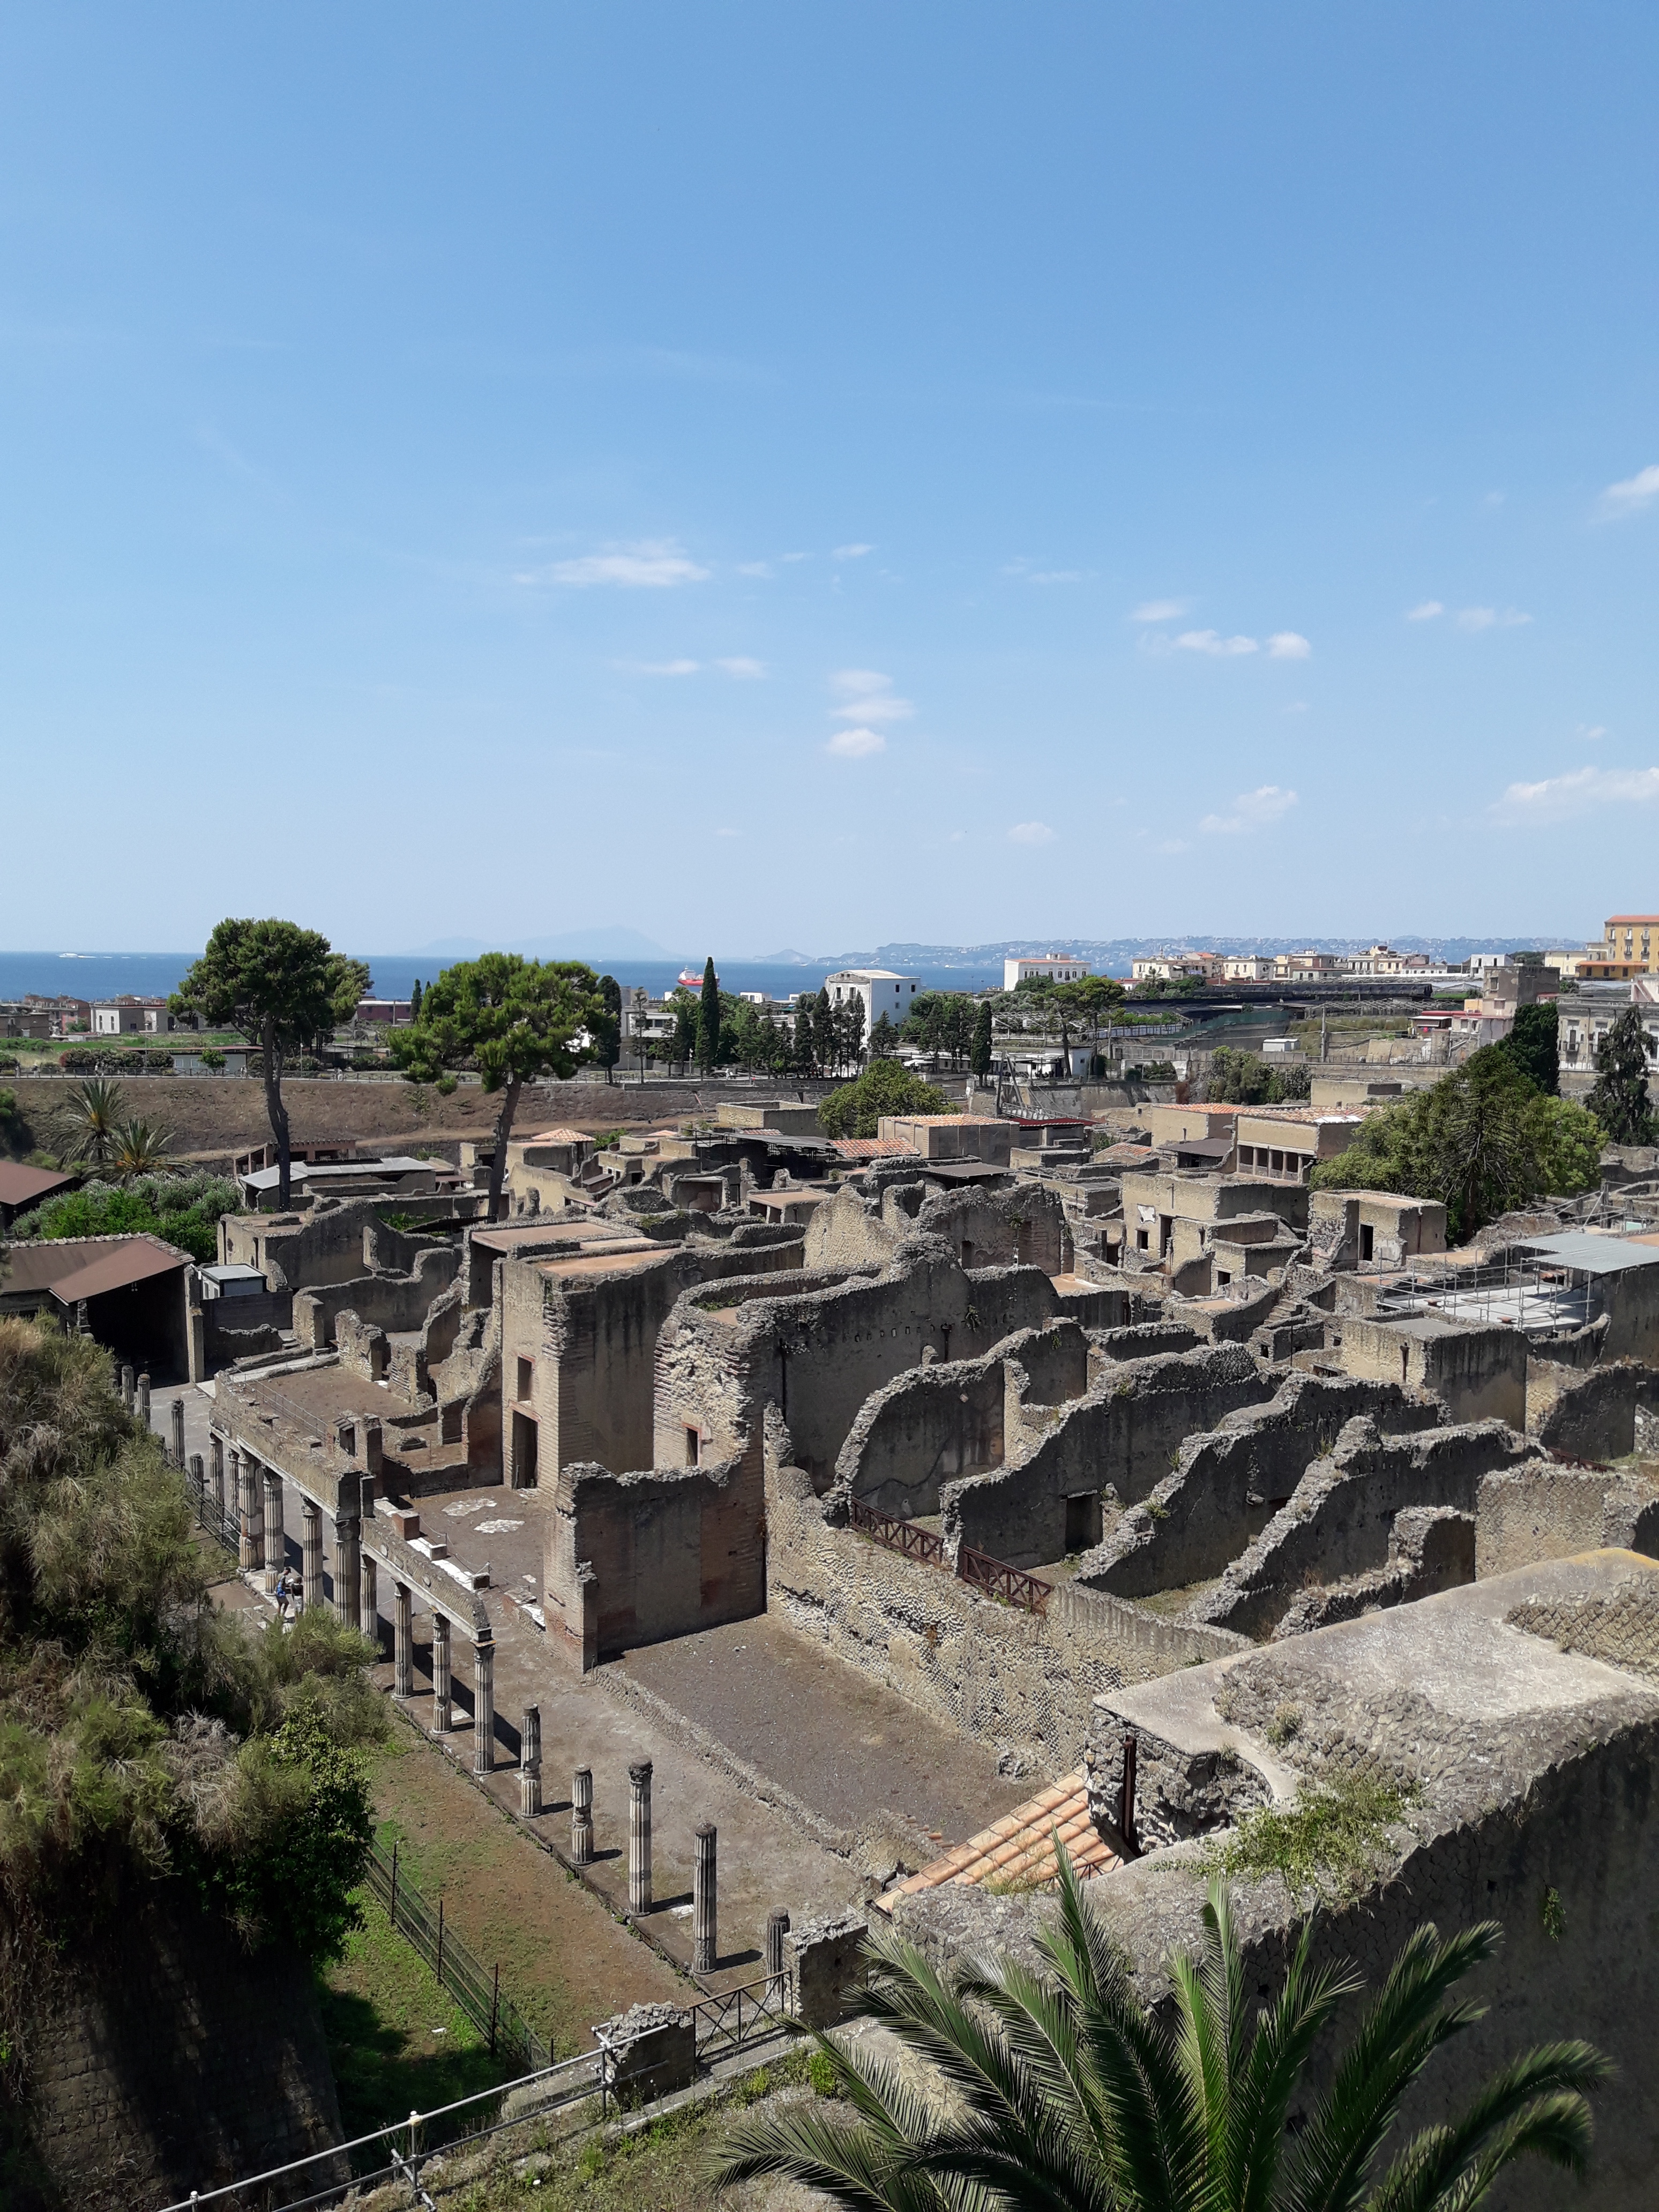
<point>1540,1511</point>
<point>322,1243</point>
<point>1479,1372</point>
<point>1227,1485</point>
<point>1340,1520</point>
<point>388,1302</point>
<point>1588,1414</point>
<point>1118,1439</point>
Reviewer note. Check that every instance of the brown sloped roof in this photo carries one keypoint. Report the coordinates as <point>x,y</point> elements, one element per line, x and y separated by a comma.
<point>111,1263</point>
<point>21,1186</point>
<point>1019,1848</point>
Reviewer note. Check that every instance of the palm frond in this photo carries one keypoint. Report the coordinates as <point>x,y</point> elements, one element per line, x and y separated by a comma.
<point>1547,2082</point>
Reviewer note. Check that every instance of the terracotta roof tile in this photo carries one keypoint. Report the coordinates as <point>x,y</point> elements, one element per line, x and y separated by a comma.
<point>1020,1847</point>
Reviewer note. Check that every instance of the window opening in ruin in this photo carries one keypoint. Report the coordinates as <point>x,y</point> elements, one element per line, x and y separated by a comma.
<point>1222,1278</point>
<point>1083,1521</point>
<point>1143,1242</point>
<point>693,1447</point>
<point>526,1370</point>
<point>526,1439</point>
<point>1367,1240</point>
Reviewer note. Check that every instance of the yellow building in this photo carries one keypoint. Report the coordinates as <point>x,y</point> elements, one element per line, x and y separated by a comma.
<point>1629,946</point>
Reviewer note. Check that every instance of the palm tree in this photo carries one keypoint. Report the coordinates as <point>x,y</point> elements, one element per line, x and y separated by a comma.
<point>94,1107</point>
<point>138,1148</point>
<point>1069,2094</point>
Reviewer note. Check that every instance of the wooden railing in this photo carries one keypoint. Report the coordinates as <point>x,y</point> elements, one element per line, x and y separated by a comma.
<point>1012,1584</point>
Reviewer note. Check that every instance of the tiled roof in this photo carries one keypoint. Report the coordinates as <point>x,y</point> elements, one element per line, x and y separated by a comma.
<point>1020,1847</point>
<point>561,1137</point>
<point>870,1148</point>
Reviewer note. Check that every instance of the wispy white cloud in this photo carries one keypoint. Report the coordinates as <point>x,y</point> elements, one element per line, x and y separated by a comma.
<point>1429,610</point>
<point>1556,797</point>
<point>1028,573</point>
<point>1288,645</point>
<point>741,666</point>
<point>869,696</point>
<point>754,567</point>
<point>1479,618</point>
<point>1213,642</point>
<point>653,564</point>
<point>669,667</point>
<point>1159,611</point>
<point>856,745</point>
<point>1633,494</point>
<point>1252,810</point>
<point>1587,733</point>
<point>851,552</point>
<point>1032,833</point>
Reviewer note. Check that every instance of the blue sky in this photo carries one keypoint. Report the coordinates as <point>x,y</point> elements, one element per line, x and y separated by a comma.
<point>782,476</point>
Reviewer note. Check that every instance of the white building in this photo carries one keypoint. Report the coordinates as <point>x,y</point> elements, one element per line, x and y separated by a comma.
<point>1043,968</point>
<point>1250,968</point>
<point>881,990</point>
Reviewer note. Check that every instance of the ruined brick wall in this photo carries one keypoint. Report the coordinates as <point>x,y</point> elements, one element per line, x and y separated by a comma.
<point>161,2058</point>
<point>389,1302</point>
<point>671,1552</point>
<point>1025,1227</point>
<point>922,1429</point>
<point>1020,1683</point>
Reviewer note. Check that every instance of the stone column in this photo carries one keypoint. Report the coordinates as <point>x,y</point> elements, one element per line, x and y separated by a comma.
<point>530,1763</point>
<point>371,1600</point>
<point>403,1643</point>
<point>443,1718</point>
<point>197,1473</point>
<point>276,1540</point>
<point>639,1837</point>
<point>252,1552</point>
<point>348,1568</point>
<point>126,1386</point>
<point>777,1927</point>
<point>312,1515</point>
<point>217,1450</point>
<point>703,1945</point>
<point>178,1418</point>
<point>141,1406</point>
<point>483,1706</point>
<point>581,1816</point>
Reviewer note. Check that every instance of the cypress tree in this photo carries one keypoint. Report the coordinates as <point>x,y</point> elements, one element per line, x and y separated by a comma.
<point>415,1000</point>
<point>709,1018</point>
<point>1619,1100</point>
<point>982,1050</point>
<point>824,1038</point>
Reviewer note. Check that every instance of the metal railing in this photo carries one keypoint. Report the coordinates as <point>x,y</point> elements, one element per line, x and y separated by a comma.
<point>978,1569</point>
<point>730,2018</point>
<point>477,1989</point>
<point>221,1519</point>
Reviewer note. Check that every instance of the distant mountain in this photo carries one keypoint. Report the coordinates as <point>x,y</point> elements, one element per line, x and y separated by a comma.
<point>1115,953</point>
<point>610,942</point>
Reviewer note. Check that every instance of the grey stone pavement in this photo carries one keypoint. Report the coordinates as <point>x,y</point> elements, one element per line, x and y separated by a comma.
<point>834,1739</point>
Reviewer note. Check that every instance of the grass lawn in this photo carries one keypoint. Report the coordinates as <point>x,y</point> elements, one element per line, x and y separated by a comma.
<point>400,2043</point>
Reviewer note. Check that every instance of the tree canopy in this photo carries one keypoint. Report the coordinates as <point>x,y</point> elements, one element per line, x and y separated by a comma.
<point>1534,1044</point>
<point>708,1020</point>
<point>1246,1079</point>
<point>143,1731</point>
<point>886,1086</point>
<point>1483,1139</point>
<point>511,1019</point>
<point>277,982</point>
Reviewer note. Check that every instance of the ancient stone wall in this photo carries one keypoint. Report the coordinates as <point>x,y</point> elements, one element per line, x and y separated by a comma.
<point>388,1302</point>
<point>1227,1485</point>
<point>671,1552</point>
<point>1544,1512</point>
<point>1019,1682</point>
<point>161,2057</point>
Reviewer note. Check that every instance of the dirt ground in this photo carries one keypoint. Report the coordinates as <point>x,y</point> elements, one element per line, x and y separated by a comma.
<point>564,1960</point>
<point>212,1116</point>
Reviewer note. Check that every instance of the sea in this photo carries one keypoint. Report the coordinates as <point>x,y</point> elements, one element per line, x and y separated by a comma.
<point>153,975</point>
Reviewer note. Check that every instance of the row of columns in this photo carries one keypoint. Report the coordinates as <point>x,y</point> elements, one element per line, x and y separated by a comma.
<point>483,1678</point>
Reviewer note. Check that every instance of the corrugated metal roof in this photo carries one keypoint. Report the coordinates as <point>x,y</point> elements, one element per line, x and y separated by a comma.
<point>1593,1255</point>
<point>75,1268</point>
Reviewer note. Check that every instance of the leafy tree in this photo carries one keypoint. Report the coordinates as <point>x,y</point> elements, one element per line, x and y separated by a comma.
<point>1483,1139</point>
<point>982,1047</point>
<point>1093,1000</point>
<point>1534,1044</point>
<point>849,1032</point>
<point>1619,1098</point>
<point>1246,1079</point>
<point>1068,2092</point>
<point>708,1020</point>
<point>277,982</point>
<point>315,1825</point>
<point>415,1000</point>
<point>825,1037</point>
<point>883,1040</point>
<point>683,1045</point>
<point>886,1086</point>
<point>512,1019</point>
<point>183,1209</point>
<point>95,1108</point>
